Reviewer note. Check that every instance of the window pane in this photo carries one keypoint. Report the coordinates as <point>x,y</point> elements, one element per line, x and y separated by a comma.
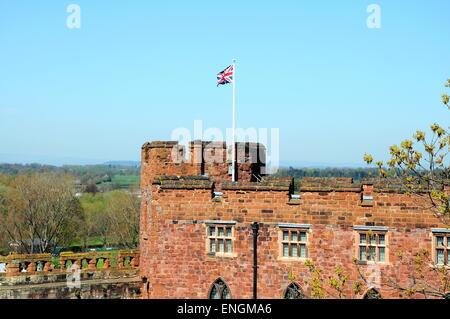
<point>212,231</point>
<point>303,236</point>
<point>373,239</point>
<point>285,235</point>
<point>226,293</point>
<point>289,294</point>
<point>221,246</point>
<point>285,250</point>
<point>362,253</point>
<point>381,240</point>
<point>212,246</point>
<point>220,231</point>
<point>362,238</point>
<point>440,256</point>
<point>303,251</point>
<point>214,293</point>
<point>293,292</point>
<point>372,253</point>
<point>229,246</point>
<point>294,251</point>
<point>381,253</point>
<point>228,231</point>
<point>294,236</point>
<point>440,241</point>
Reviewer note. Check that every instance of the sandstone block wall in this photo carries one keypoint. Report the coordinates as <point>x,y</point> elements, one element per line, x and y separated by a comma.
<point>176,212</point>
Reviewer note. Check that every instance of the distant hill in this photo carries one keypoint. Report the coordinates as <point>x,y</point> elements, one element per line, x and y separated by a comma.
<point>355,173</point>
<point>117,174</point>
<point>123,163</point>
<point>302,164</point>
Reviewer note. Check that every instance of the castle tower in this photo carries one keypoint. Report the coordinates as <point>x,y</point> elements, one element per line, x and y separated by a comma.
<point>208,159</point>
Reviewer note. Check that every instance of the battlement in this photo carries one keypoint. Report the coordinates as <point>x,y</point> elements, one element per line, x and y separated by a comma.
<point>203,182</point>
<point>165,164</point>
<point>329,184</point>
<point>183,182</point>
<point>203,158</point>
<point>265,184</point>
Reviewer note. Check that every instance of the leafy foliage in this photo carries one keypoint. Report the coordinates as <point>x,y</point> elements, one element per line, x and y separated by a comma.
<point>420,165</point>
<point>40,212</point>
<point>105,177</point>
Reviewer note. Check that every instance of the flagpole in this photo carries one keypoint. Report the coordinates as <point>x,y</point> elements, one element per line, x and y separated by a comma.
<point>233,162</point>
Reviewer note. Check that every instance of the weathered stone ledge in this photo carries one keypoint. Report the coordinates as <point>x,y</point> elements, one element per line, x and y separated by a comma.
<point>159,144</point>
<point>183,182</point>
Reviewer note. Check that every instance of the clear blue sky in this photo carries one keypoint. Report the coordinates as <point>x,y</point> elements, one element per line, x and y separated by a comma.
<point>138,69</point>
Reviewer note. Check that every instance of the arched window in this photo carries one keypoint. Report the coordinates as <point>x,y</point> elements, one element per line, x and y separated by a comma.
<point>372,293</point>
<point>220,290</point>
<point>293,291</point>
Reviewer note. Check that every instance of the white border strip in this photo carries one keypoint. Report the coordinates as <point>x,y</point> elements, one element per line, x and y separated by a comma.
<point>219,222</point>
<point>288,225</point>
<point>374,228</point>
<point>440,230</point>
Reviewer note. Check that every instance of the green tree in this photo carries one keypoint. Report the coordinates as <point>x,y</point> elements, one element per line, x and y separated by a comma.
<point>95,219</point>
<point>4,189</point>
<point>336,286</point>
<point>41,211</point>
<point>420,166</point>
<point>123,217</point>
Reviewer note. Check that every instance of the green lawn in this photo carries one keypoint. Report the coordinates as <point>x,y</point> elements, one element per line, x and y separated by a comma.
<point>125,181</point>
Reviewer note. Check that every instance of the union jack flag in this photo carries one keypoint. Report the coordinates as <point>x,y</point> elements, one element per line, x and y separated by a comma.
<point>225,76</point>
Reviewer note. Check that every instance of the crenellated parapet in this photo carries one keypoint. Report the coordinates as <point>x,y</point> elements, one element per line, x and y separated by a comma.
<point>203,158</point>
<point>367,190</point>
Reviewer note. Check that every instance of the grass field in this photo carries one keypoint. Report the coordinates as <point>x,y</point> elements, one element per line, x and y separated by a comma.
<point>125,181</point>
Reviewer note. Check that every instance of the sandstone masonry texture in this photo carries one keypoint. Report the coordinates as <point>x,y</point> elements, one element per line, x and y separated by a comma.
<point>178,202</point>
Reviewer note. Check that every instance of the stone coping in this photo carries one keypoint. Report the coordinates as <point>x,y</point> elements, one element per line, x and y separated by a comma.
<point>214,144</point>
<point>98,254</point>
<point>203,182</point>
<point>67,255</point>
<point>268,183</point>
<point>183,182</point>
<point>328,184</point>
<point>259,186</point>
<point>159,144</point>
<point>25,257</point>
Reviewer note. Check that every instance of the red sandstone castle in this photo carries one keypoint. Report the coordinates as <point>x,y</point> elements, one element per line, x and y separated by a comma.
<point>198,229</point>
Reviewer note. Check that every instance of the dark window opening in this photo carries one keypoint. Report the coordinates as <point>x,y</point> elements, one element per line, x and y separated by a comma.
<point>293,291</point>
<point>372,294</point>
<point>220,290</point>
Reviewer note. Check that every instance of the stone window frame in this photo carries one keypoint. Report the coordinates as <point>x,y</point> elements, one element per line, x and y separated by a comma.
<point>372,293</point>
<point>295,290</point>
<point>282,227</point>
<point>369,230</point>
<point>221,285</point>
<point>441,232</point>
<point>220,224</point>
